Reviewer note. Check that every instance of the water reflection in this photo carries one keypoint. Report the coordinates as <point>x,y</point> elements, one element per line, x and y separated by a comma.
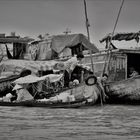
<point>107,122</point>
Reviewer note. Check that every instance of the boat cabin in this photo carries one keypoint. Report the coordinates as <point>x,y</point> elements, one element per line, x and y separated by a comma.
<point>18,46</point>
<point>116,62</point>
<point>60,47</point>
<point>118,67</point>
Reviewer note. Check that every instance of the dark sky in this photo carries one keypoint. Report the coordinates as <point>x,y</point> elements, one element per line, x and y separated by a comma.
<point>34,17</point>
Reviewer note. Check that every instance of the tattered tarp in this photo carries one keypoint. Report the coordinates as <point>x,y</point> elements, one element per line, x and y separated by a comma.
<point>59,42</point>
<point>33,79</point>
<point>122,36</point>
<point>39,50</point>
<point>18,65</point>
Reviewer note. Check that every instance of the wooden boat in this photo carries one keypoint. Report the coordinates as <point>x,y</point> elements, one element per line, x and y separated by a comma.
<point>81,93</point>
<point>120,87</point>
<point>125,91</point>
<point>18,62</point>
<point>77,96</point>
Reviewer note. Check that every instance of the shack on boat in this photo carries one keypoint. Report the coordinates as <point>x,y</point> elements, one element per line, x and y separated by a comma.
<point>34,55</point>
<point>15,46</point>
<point>59,47</point>
<point>18,45</point>
<point>121,60</point>
<point>73,44</point>
<point>38,59</point>
<point>117,63</point>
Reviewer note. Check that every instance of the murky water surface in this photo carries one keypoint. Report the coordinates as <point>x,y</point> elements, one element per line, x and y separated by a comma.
<point>103,123</point>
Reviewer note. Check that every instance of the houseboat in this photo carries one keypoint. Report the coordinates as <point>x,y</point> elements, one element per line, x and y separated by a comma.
<point>122,85</point>
<point>33,59</point>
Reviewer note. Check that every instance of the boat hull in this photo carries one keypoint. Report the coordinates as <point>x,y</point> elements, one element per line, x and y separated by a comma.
<point>43,104</point>
<point>81,101</point>
<point>126,91</point>
<point>76,104</point>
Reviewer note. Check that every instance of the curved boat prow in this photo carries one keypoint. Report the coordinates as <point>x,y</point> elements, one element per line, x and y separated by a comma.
<point>126,91</point>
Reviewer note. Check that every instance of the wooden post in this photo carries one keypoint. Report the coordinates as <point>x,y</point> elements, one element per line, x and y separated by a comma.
<point>87,26</point>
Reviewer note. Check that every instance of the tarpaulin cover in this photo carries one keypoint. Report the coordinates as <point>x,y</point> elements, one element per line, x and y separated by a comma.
<point>27,79</point>
<point>59,42</point>
<point>39,50</point>
<point>18,65</point>
<point>122,36</point>
<point>33,79</point>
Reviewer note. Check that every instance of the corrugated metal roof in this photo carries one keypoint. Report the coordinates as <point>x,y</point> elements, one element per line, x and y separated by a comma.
<point>14,40</point>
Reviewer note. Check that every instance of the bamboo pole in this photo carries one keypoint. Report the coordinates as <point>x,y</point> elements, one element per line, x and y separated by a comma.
<point>106,65</point>
<point>87,27</point>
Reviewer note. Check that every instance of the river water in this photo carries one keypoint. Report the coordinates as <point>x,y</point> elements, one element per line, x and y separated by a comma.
<point>94,123</point>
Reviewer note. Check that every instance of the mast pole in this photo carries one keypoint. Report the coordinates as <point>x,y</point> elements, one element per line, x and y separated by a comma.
<point>87,27</point>
<point>106,66</point>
